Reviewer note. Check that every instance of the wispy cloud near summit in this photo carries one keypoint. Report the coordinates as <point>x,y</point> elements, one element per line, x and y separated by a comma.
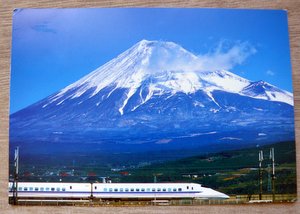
<point>226,56</point>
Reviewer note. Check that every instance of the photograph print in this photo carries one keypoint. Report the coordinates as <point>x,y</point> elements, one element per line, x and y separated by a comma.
<point>151,106</point>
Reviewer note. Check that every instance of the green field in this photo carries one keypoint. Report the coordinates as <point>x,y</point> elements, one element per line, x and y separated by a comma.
<point>232,172</point>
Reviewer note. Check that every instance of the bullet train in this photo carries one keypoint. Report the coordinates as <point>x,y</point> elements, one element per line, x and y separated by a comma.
<point>44,190</point>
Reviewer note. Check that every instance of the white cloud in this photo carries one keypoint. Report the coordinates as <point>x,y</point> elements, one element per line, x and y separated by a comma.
<point>270,73</point>
<point>163,141</point>
<point>226,56</point>
<point>230,138</point>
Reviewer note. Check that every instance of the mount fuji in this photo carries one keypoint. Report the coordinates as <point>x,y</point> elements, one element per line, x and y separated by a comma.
<point>157,96</point>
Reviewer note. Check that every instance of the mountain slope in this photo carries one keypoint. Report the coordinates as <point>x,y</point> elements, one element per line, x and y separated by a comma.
<point>157,93</point>
<point>166,67</point>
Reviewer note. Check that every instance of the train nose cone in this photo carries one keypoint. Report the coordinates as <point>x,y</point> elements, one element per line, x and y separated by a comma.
<point>221,195</point>
<point>224,196</point>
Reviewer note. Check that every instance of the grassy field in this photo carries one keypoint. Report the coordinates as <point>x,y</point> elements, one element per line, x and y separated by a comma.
<point>232,172</point>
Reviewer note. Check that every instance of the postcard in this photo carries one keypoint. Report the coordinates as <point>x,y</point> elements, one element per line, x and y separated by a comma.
<point>151,106</point>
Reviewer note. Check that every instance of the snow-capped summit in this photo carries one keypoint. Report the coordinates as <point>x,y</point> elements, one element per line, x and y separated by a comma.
<point>129,69</point>
<point>166,68</point>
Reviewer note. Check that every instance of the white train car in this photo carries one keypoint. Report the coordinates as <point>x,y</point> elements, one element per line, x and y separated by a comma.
<point>154,190</point>
<point>44,190</point>
<point>51,190</point>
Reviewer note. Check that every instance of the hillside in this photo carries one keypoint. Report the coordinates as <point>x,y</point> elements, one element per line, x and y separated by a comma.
<point>233,172</point>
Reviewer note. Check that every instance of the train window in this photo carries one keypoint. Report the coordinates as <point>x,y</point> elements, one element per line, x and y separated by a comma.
<point>110,189</point>
<point>192,188</point>
<point>187,187</point>
<point>47,188</point>
<point>95,187</point>
<point>126,190</point>
<point>174,189</point>
<point>57,189</point>
<point>20,188</point>
<point>169,189</point>
<point>164,189</point>
<point>148,189</point>
<point>25,188</point>
<point>116,189</point>
<point>137,190</point>
<point>158,189</point>
<point>179,189</point>
<point>70,187</point>
<point>143,189</point>
<point>153,189</point>
<point>42,189</point>
<point>121,189</point>
<point>131,190</point>
<point>105,189</point>
<point>52,189</point>
<point>30,188</point>
<point>63,189</point>
<point>36,189</point>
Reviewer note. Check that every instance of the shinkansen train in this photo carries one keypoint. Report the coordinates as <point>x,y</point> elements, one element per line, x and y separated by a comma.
<point>44,190</point>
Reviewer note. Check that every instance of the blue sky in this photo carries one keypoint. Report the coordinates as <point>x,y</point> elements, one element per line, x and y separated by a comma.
<point>52,48</point>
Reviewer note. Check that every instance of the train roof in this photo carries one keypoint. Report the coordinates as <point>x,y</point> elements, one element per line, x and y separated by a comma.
<point>74,183</point>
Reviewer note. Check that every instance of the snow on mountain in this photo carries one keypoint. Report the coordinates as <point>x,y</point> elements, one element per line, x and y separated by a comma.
<point>266,91</point>
<point>130,68</point>
<point>226,81</point>
<point>167,67</point>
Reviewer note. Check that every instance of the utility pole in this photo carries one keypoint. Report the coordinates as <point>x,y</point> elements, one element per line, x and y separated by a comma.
<point>260,159</point>
<point>16,176</point>
<point>269,178</point>
<point>272,158</point>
